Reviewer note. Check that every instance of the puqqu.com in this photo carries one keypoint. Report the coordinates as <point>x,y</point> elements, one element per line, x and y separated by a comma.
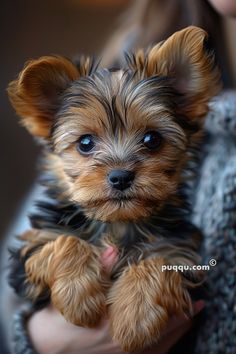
<point>182,268</point>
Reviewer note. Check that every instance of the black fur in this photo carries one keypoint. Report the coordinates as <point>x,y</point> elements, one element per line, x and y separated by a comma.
<point>18,281</point>
<point>64,217</point>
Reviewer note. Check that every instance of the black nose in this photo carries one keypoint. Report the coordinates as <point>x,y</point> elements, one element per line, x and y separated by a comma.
<point>121,179</point>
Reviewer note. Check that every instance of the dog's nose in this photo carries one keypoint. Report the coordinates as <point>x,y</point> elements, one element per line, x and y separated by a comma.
<point>120,179</point>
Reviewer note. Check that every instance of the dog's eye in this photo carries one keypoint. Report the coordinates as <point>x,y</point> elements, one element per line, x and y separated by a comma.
<point>85,144</point>
<point>152,140</point>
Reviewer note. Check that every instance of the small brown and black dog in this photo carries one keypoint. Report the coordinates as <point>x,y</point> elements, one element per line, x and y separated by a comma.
<point>119,147</point>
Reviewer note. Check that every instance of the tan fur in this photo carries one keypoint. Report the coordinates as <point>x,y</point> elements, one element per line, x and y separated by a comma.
<point>89,187</point>
<point>142,300</point>
<point>35,93</point>
<point>71,269</point>
<point>165,89</point>
<point>182,56</point>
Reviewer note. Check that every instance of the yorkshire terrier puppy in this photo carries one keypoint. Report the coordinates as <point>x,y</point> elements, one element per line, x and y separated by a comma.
<point>119,148</point>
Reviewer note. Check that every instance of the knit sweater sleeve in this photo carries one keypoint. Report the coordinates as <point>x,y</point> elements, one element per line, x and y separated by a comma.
<point>215,215</point>
<point>21,340</point>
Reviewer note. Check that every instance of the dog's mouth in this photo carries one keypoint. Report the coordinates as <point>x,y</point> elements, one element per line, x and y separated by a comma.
<point>116,199</point>
<point>122,201</point>
<point>120,208</point>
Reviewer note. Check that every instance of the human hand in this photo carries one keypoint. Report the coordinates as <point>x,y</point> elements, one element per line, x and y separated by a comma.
<point>51,333</point>
<point>176,329</point>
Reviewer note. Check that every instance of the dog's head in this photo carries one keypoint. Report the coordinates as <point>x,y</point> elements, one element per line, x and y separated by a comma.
<point>120,137</point>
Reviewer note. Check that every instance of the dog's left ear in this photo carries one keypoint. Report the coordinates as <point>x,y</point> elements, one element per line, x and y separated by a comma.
<point>185,59</point>
<point>37,92</point>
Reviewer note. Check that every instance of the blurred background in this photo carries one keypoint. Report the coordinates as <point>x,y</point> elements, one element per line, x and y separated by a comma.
<point>30,29</point>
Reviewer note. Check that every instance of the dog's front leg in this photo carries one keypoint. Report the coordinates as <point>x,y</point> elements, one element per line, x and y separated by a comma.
<point>71,268</point>
<point>142,300</point>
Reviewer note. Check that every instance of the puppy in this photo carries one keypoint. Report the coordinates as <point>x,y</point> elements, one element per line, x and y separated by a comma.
<point>119,147</point>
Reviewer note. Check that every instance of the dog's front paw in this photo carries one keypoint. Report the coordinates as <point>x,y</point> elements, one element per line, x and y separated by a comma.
<point>137,326</point>
<point>77,286</point>
<point>137,316</point>
<point>80,300</point>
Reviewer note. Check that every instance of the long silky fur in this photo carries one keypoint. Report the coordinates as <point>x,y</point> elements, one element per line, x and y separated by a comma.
<point>165,88</point>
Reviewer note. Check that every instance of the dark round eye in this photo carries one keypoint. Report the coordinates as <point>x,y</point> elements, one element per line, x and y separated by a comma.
<point>85,144</point>
<point>152,140</point>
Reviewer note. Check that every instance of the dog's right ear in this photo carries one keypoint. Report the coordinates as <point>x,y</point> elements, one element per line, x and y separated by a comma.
<point>186,61</point>
<point>36,93</point>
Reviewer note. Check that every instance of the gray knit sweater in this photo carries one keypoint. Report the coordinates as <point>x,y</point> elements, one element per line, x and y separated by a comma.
<point>215,213</point>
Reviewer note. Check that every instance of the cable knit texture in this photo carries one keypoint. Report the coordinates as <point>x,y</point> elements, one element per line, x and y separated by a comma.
<point>215,214</point>
<point>22,342</point>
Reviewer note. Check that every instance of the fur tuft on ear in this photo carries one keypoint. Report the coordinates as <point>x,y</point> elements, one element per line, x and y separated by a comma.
<point>36,93</point>
<point>185,60</point>
<point>85,65</point>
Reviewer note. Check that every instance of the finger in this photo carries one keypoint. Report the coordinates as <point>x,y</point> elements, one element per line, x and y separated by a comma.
<point>198,306</point>
<point>168,340</point>
<point>171,337</point>
<point>109,257</point>
<point>177,321</point>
